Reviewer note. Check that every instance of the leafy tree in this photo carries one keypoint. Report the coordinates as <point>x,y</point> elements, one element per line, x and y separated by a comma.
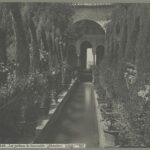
<point>22,48</point>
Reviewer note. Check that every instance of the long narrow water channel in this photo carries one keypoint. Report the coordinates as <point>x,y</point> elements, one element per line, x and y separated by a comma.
<point>77,123</point>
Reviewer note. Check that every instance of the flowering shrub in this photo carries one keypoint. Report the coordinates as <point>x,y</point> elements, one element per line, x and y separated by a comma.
<point>8,87</point>
<point>130,101</point>
<point>43,60</point>
<point>130,74</point>
<point>43,55</point>
<point>30,83</point>
<point>144,93</point>
<point>3,68</point>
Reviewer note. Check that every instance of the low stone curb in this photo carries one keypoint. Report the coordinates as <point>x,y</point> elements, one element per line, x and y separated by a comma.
<point>55,112</point>
<point>100,123</point>
<point>105,139</point>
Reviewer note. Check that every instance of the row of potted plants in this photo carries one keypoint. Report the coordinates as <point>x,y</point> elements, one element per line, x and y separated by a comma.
<point>125,107</point>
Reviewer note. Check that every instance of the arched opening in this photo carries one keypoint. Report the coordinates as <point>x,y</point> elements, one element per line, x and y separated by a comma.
<point>72,56</point>
<point>117,28</point>
<point>88,32</point>
<point>134,38</point>
<point>86,57</point>
<point>99,54</point>
<point>116,54</point>
<point>89,27</point>
<point>111,52</point>
<point>124,39</point>
<point>86,27</point>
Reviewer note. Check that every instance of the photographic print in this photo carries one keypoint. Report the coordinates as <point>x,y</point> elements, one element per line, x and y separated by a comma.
<point>75,74</point>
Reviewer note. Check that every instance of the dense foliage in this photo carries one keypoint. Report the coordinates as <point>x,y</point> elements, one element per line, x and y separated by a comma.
<point>124,75</point>
<point>33,41</point>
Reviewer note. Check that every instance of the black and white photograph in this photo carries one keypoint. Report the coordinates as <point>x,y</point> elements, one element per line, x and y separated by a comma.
<point>75,74</point>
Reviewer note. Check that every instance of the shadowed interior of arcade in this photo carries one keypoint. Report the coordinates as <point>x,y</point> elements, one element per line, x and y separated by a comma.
<point>89,47</point>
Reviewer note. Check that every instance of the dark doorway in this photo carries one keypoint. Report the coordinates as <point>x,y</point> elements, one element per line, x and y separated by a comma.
<point>99,54</point>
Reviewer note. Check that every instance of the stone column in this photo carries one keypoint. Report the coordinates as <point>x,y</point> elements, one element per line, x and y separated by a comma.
<point>78,60</point>
<point>94,55</point>
<point>94,62</point>
<point>78,53</point>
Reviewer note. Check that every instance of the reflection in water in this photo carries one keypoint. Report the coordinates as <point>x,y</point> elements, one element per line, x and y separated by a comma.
<point>88,97</point>
<point>77,123</point>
